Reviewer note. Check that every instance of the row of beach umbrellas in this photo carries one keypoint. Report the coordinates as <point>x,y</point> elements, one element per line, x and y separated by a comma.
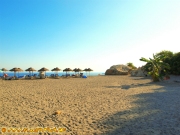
<point>45,69</point>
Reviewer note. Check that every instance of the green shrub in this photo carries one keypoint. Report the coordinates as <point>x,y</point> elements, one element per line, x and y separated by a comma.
<point>155,67</point>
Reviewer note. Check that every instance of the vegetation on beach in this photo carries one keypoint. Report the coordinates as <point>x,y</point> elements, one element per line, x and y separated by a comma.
<point>156,67</point>
<point>175,64</point>
<point>162,64</point>
<point>173,59</point>
<point>130,64</point>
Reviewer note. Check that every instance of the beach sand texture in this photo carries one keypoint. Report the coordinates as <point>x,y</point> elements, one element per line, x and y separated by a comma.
<point>99,105</point>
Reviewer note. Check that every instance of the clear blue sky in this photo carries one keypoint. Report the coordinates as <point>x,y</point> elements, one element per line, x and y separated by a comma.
<point>86,33</point>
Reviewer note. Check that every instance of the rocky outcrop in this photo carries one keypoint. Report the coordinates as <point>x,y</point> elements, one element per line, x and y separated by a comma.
<point>118,70</point>
<point>138,73</point>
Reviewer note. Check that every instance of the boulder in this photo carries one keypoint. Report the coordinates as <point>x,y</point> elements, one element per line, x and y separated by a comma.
<point>118,70</point>
<point>138,73</point>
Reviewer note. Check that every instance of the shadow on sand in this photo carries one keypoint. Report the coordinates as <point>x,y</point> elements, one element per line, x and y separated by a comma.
<point>155,113</point>
<point>126,87</point>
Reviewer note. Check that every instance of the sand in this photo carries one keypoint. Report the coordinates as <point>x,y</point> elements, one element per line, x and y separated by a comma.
<point>100,105</point>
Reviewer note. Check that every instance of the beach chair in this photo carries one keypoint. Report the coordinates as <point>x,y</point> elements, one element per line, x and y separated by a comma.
<point>56,76</point>
<point>9,78</point>
<point>84,76</point>
<point>21,77</point>
<point>52,75</point>
<point>37,77</point>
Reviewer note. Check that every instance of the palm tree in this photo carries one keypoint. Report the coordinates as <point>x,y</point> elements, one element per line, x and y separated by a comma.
<point>156,67</point>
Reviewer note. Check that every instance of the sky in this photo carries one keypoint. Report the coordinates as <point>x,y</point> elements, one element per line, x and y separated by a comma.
<point>83,34</point>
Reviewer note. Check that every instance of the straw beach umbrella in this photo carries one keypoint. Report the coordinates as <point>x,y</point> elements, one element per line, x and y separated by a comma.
<point>75,70</point>
<point>4,70</point>
<point>89,69</point>
<point>30,69</point>
<point>16,70</point>
<point>56,70</point>
<point>43,70</point>
<point>85,70</point>
<point>79,70</point>
<point>19,70</point>
<point>67,70</point>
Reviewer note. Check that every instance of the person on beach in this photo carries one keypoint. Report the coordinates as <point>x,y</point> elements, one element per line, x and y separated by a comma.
<point>5,75</point>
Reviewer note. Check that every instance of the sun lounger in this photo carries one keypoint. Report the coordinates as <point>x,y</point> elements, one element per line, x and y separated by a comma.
<point>37,77</point>
<point>84,76</point>
<point>66,75</point>
<point>9,78</point>
<point>21,77</point>
<point>52,75</point>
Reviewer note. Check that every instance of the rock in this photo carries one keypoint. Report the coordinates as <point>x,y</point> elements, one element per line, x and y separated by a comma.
<point>57,112</point>
<point>118,70</point>
<point>134,72</point>
<point>138,73</point>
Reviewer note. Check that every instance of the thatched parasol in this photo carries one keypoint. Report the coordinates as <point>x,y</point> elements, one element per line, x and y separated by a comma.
<point>75,70</point>
<point>30,69</point>
<point>4,70</point>
<point>67,70</point>
<point>79,70</point>
<point>16,70</point>
<point>85,70</point>
<point>56,70</point>
<point>88,70</point>
<point>19,70</point>
<point>43,69</point>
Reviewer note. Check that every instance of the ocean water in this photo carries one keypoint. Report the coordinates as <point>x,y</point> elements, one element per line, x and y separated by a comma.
<point>49,73</point>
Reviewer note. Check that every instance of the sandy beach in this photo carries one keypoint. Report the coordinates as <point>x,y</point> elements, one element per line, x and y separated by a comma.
<point>99,105</point>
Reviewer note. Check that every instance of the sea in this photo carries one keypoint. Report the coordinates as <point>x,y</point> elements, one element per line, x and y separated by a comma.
<point>49,73</point>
